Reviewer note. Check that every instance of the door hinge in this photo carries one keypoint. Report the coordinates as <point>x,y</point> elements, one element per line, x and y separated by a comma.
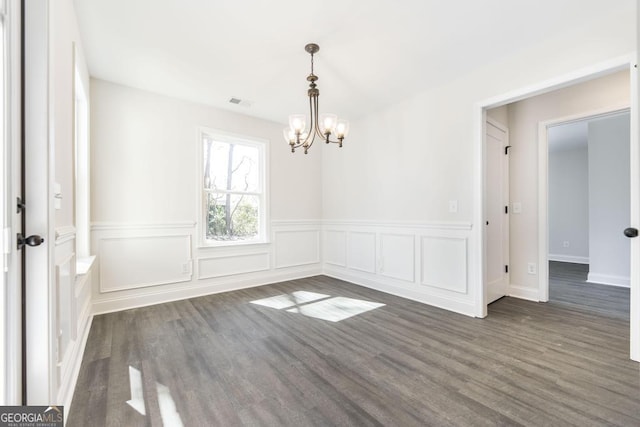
<point>506,209</point>
<point>506,268</point>
<point>19,205</point>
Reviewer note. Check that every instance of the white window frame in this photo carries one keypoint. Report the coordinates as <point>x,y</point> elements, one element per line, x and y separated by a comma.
<point>81,163</point>
<point>263,213</point>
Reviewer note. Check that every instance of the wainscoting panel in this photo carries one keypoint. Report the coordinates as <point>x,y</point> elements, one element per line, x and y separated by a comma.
<point>135,262</point>
<point>335,248</point>
<point>228,265</point>
<point>397,253</point>
<point>444,263</point>
<point>144,264</point>
<point>426,262</point>
<point>72,296</point>
<point>361,251</point>
<point>296,247</point>
<point>65,307</point>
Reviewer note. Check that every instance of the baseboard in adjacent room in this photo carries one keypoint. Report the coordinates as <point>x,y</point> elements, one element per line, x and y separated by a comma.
<point>609,280</point>
<point>569,258</point>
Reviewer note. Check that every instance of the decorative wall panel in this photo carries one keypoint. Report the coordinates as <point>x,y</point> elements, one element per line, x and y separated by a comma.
<point>135,262</point>
<point>444,263</point>
<point>227,265</point>
<point>397,254</point>
<point>361,253</point>
<point>335,248</point>
<point>296,248</point>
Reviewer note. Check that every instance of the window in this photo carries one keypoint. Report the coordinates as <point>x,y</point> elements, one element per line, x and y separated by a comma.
<point>233,196</point>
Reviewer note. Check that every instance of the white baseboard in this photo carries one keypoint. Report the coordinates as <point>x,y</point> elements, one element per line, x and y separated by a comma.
<point>522,292</point>
<point>448,304</point>
<point>66,390</point>
<point>107,303</point>
<point>569,258</point>
<point>605,279</point>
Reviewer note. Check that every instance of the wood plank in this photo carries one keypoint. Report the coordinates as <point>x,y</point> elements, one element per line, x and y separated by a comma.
<point>229,362</point>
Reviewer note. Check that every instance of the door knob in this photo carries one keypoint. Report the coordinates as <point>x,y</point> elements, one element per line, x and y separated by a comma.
<point>33,240</point>
<point>631,232</point>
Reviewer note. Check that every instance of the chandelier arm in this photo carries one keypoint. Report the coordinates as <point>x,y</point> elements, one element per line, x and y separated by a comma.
<point>306,142</point>
<point>317,125</point>
<point>316,118</point>
<point>311,136</point>
<point>312,128</point>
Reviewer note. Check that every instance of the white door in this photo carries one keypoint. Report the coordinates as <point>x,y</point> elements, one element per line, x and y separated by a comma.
<point>496,212</point>
<point>40,353</point>
<point>10,190</point>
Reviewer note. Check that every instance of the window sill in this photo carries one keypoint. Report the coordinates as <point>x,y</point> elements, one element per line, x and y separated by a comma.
<point>229,245</point>
<point>83,265</point>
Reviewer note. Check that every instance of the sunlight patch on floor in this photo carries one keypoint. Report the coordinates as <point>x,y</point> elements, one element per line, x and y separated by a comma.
<point>289,300</point>
<point>308,304</point>
<point>336,309</point>
<point>168,410</point>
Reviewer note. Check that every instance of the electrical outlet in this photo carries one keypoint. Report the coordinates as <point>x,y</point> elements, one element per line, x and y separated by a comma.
<point>565,244</point>
<point>532,268</point>
<point>453,206</point>
<point>185,268</point>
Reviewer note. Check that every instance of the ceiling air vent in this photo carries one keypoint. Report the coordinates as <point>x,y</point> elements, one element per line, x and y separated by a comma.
<point>241,102</point>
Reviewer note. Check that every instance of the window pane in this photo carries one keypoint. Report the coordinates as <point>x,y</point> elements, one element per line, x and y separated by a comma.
<point>232,217</point>
<point>233,167</point>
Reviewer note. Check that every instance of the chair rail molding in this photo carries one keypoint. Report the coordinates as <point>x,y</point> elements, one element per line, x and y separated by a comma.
<point>65,234</point>
<point>110,226</point>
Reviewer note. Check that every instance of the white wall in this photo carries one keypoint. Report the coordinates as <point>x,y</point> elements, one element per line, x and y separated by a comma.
<point>144,202</point>
<point>143,156</point>
<point>609,200</point>
<point>611,91</point>
<point>568,203</point>
<point>405,163</point>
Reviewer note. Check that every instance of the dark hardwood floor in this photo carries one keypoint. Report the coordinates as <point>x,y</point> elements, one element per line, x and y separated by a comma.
<point>222,361</point>
<point>568,286</point>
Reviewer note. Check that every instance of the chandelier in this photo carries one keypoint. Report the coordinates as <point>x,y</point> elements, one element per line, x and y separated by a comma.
<point>321,125</point>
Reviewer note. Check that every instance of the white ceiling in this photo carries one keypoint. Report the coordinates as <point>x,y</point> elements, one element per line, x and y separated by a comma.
<point>372,53</point>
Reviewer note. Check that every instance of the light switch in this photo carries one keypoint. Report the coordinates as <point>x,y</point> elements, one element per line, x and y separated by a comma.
<point>57,195</point>
<point>516,207</point>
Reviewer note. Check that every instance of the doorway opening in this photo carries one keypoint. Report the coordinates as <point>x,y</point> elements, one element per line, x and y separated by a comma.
<point>588,205</point>
<point>528,269</point>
